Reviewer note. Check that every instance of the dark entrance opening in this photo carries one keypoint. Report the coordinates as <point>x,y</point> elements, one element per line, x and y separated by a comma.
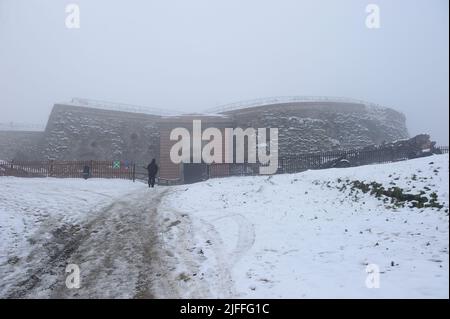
<point>193,172</point>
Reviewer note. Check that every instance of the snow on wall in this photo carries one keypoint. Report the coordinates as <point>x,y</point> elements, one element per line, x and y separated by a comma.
<point>83,132</point>
<point>78,133</point>
<point>323,126</point>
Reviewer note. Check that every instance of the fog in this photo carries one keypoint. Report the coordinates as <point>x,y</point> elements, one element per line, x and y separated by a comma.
<point>191,55</point>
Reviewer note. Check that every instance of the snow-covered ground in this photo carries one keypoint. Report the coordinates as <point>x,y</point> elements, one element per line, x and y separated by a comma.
<point>26,203</point>
<point>304,235</point>
<point>310,234</point>
<point>40,216</point>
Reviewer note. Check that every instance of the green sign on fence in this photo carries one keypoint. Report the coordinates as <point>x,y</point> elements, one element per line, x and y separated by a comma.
<point>116,164</point>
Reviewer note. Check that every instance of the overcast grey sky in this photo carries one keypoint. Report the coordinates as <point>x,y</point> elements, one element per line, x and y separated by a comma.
<point>195,54</point>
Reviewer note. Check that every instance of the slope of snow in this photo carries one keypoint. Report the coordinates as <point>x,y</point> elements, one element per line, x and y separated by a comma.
<point>33,208</point>
<point>305,235</point>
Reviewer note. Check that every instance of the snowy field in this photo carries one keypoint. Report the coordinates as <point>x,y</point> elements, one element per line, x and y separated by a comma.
<point>39,216</point>
<point>305,235</point>
<point>311,234</point>
<point>27,203</point>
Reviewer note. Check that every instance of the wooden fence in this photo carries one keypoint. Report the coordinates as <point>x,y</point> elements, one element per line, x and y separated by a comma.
<point>68,169</point>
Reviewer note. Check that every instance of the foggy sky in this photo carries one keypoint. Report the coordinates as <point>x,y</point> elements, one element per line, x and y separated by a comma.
<point>191,55</point>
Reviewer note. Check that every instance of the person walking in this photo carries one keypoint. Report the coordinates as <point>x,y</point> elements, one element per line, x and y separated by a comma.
<point>86,172</point>
<point>152,169</point>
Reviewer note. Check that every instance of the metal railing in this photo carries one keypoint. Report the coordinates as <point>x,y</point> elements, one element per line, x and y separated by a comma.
<point>17,126</point>
<point>294,163</point>
<point>285,99</point>
<point>105,105</point>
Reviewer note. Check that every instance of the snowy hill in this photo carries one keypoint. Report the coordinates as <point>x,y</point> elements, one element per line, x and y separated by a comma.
<point>312,234</point>
<point>42,221</point>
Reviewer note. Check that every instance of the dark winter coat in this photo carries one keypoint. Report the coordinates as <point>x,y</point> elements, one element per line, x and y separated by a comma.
<point>152,169</point>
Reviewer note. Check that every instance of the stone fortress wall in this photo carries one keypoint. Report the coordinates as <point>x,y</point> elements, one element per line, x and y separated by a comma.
<point>324,126</point>
<point>77,132</point>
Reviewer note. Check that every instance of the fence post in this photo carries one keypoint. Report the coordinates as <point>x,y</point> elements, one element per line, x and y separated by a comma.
<point>134,172</point>
<point>50,169</point>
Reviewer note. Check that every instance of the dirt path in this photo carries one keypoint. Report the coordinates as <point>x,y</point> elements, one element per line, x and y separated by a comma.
<point>115,250</point>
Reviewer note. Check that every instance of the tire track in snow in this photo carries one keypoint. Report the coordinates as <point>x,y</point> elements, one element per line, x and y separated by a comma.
<point>193,268</point>
<point>115,251</point>
<point>246,236</point>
